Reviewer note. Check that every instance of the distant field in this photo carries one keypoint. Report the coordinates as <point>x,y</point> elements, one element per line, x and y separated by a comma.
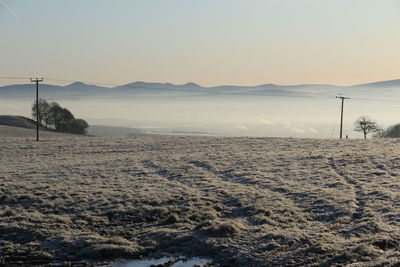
<point>239,201</point>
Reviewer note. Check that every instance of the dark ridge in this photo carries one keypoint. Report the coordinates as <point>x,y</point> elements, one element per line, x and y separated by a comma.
<point>20,121</point>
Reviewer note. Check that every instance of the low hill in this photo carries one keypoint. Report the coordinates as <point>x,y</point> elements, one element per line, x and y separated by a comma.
<point>12,131</point>
<point>19,121</point>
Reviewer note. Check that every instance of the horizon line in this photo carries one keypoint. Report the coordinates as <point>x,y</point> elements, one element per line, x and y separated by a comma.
<point>112,85</point>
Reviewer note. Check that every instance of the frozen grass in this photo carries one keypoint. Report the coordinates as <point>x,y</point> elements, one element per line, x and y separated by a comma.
<point>239,201</point>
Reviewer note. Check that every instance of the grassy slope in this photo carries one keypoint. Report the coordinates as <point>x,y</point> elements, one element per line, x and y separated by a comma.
<point>19,121</point>
<point>11,131</point>
<point>241,201</point>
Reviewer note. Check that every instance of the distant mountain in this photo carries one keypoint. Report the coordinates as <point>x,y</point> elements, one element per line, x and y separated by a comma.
<point>387,84</point>
<point>77,84</point>
<point>159,85</point>
<point>28,89</point>
<point>79,90</point>
<point>76,89</point>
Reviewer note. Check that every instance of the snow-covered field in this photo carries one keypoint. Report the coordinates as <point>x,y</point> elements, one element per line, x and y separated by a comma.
<point>238,201</point>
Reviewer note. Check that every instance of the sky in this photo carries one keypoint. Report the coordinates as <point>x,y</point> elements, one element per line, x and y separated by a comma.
<point>209,42</point>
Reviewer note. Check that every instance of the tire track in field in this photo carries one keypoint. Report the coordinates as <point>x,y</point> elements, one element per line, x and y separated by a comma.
<point>380,199</point>
<point>228,179</point>
<point>167,175</point>
<point>307,202</point>
<point>382,167</point>
<point>198,182</point>
<point>236,199</point>
<point>359,196</point>
<point>203,186</point>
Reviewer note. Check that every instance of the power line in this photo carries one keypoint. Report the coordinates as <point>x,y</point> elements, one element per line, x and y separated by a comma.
<point>13,78</point>
<point>37,81</point>
<point>342,98</point>
<point>375,99</point>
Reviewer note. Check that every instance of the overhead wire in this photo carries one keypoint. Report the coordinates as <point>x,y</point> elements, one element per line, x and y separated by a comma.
<point>14,78</point>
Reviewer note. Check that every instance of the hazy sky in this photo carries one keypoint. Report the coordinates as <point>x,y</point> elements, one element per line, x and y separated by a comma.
<point>210,42</point>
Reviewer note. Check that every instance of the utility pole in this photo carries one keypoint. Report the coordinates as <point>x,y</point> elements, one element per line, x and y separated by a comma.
<point>37,81</point>
<point>341,114</point>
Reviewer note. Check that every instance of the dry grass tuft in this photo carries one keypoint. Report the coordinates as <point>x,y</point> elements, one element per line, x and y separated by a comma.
<point>221,228</point>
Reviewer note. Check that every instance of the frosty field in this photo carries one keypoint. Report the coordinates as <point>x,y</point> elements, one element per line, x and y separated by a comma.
<point>238,201</point>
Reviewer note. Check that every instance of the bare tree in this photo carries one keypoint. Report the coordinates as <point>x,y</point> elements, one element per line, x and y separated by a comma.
<point>59,118</point>
<point>391,132</point>
<point>55,114</point>
<point>78,126</point>
<point>65,118</point>
<point>365,125</point>
<point>44,108</point>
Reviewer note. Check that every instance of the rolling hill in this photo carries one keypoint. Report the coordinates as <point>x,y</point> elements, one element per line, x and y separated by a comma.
<point>18,121</point>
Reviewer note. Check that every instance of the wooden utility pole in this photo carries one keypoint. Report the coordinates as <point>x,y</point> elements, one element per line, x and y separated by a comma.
<point>341,114</point>
<point>37,81</point>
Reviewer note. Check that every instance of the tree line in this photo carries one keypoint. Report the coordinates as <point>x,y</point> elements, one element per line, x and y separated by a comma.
<point>53,116</point>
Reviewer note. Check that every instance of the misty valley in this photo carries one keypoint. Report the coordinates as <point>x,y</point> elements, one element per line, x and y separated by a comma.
<point>266,110</point>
